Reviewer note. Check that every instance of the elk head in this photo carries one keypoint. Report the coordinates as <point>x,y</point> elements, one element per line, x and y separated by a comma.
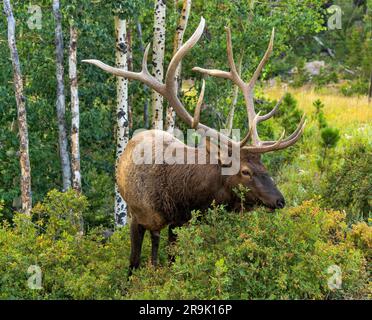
<point>252,173</point>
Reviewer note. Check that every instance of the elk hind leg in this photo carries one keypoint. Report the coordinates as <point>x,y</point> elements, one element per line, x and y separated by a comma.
<point>137,233</point>
<point>155,239</point>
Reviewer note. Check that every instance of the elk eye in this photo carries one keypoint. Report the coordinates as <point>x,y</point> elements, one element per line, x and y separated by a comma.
<point>246,172</point>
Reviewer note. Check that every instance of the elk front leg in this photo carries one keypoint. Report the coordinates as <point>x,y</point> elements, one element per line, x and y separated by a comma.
<point>136,238</point>
<point>155,239</point>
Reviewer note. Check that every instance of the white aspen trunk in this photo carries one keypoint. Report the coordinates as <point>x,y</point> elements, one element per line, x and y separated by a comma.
<point>230,117</point>
<point>130,68</point>
<point>145,88</point>
<point>158,48</point>
<point>122,112</point>
<point>24,160</point>
<point>178,40</point>
<point>75,113</point>
<point>60,104</point>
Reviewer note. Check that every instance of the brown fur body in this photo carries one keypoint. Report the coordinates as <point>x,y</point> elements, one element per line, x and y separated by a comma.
<point>161,194</point>
<point>158,195</point>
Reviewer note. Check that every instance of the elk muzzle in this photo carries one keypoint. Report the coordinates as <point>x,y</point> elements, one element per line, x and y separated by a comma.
<point>266,191</point>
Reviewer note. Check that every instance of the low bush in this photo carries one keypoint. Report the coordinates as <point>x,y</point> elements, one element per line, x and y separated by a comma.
<point>72,265</point>
<point>261,255</point>
<point>357,87</point>
<point>349,185</point>
<point>325,77</point>
<point>223,255</point>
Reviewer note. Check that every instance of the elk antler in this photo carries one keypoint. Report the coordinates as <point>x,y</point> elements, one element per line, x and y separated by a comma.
<point>195,120</point>
<point>254,118</point>
<point>168,89</point>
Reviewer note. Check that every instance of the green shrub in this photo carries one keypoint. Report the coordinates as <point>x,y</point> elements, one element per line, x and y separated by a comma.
<point>330,137</point>
<point>259,255</point>
<point>349,185</point>
<point>325,77</point>
<point>357,87</point>
<point>99,189</point>
<point>319,113</point>
<point>220,255</point>
<point>73,266</point>
<point>289,113</point>
<point>61,212</point>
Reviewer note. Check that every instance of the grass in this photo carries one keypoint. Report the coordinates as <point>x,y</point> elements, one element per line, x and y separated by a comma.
<point>340,111</point>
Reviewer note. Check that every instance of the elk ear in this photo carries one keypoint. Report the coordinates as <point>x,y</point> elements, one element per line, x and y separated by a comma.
<point>222,156</point>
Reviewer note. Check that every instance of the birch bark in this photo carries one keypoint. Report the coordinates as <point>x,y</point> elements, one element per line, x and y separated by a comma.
<point>145,88</point>
<point>121,112</point>
<point>60,104</point>
<point>75,113</point>
<point>158,61</point>
<point>24,160</point>
<point>178,40</point>
<point>130,68</point>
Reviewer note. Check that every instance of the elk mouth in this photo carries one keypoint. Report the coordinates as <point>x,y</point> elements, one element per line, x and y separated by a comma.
<point>268,207</point>
<point>271,208</point>
<point>257,203</point>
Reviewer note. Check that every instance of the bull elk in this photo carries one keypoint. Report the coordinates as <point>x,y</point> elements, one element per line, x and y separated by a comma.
<point>158,195</point>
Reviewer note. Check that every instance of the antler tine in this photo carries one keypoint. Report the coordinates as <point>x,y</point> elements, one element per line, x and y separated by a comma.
<point>266,56</point>
<point>248,93</point>
<point>145,59</point>
<point>247,89</point>
<point>288,142</point>
<point>243,142</point>
<point>235,77</point>
<point>170,83</point>
<point>263,148</point>
<point>143,76</point>
<point>272,112</point>
<point>178,56</point>
<point>196,119</point>
<point>301,125</point>
<point>296,134</point>
<point>233,74</point>
<point>213,72</point>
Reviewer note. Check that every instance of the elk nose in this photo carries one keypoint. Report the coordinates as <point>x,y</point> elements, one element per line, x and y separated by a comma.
<point>280,203</point>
